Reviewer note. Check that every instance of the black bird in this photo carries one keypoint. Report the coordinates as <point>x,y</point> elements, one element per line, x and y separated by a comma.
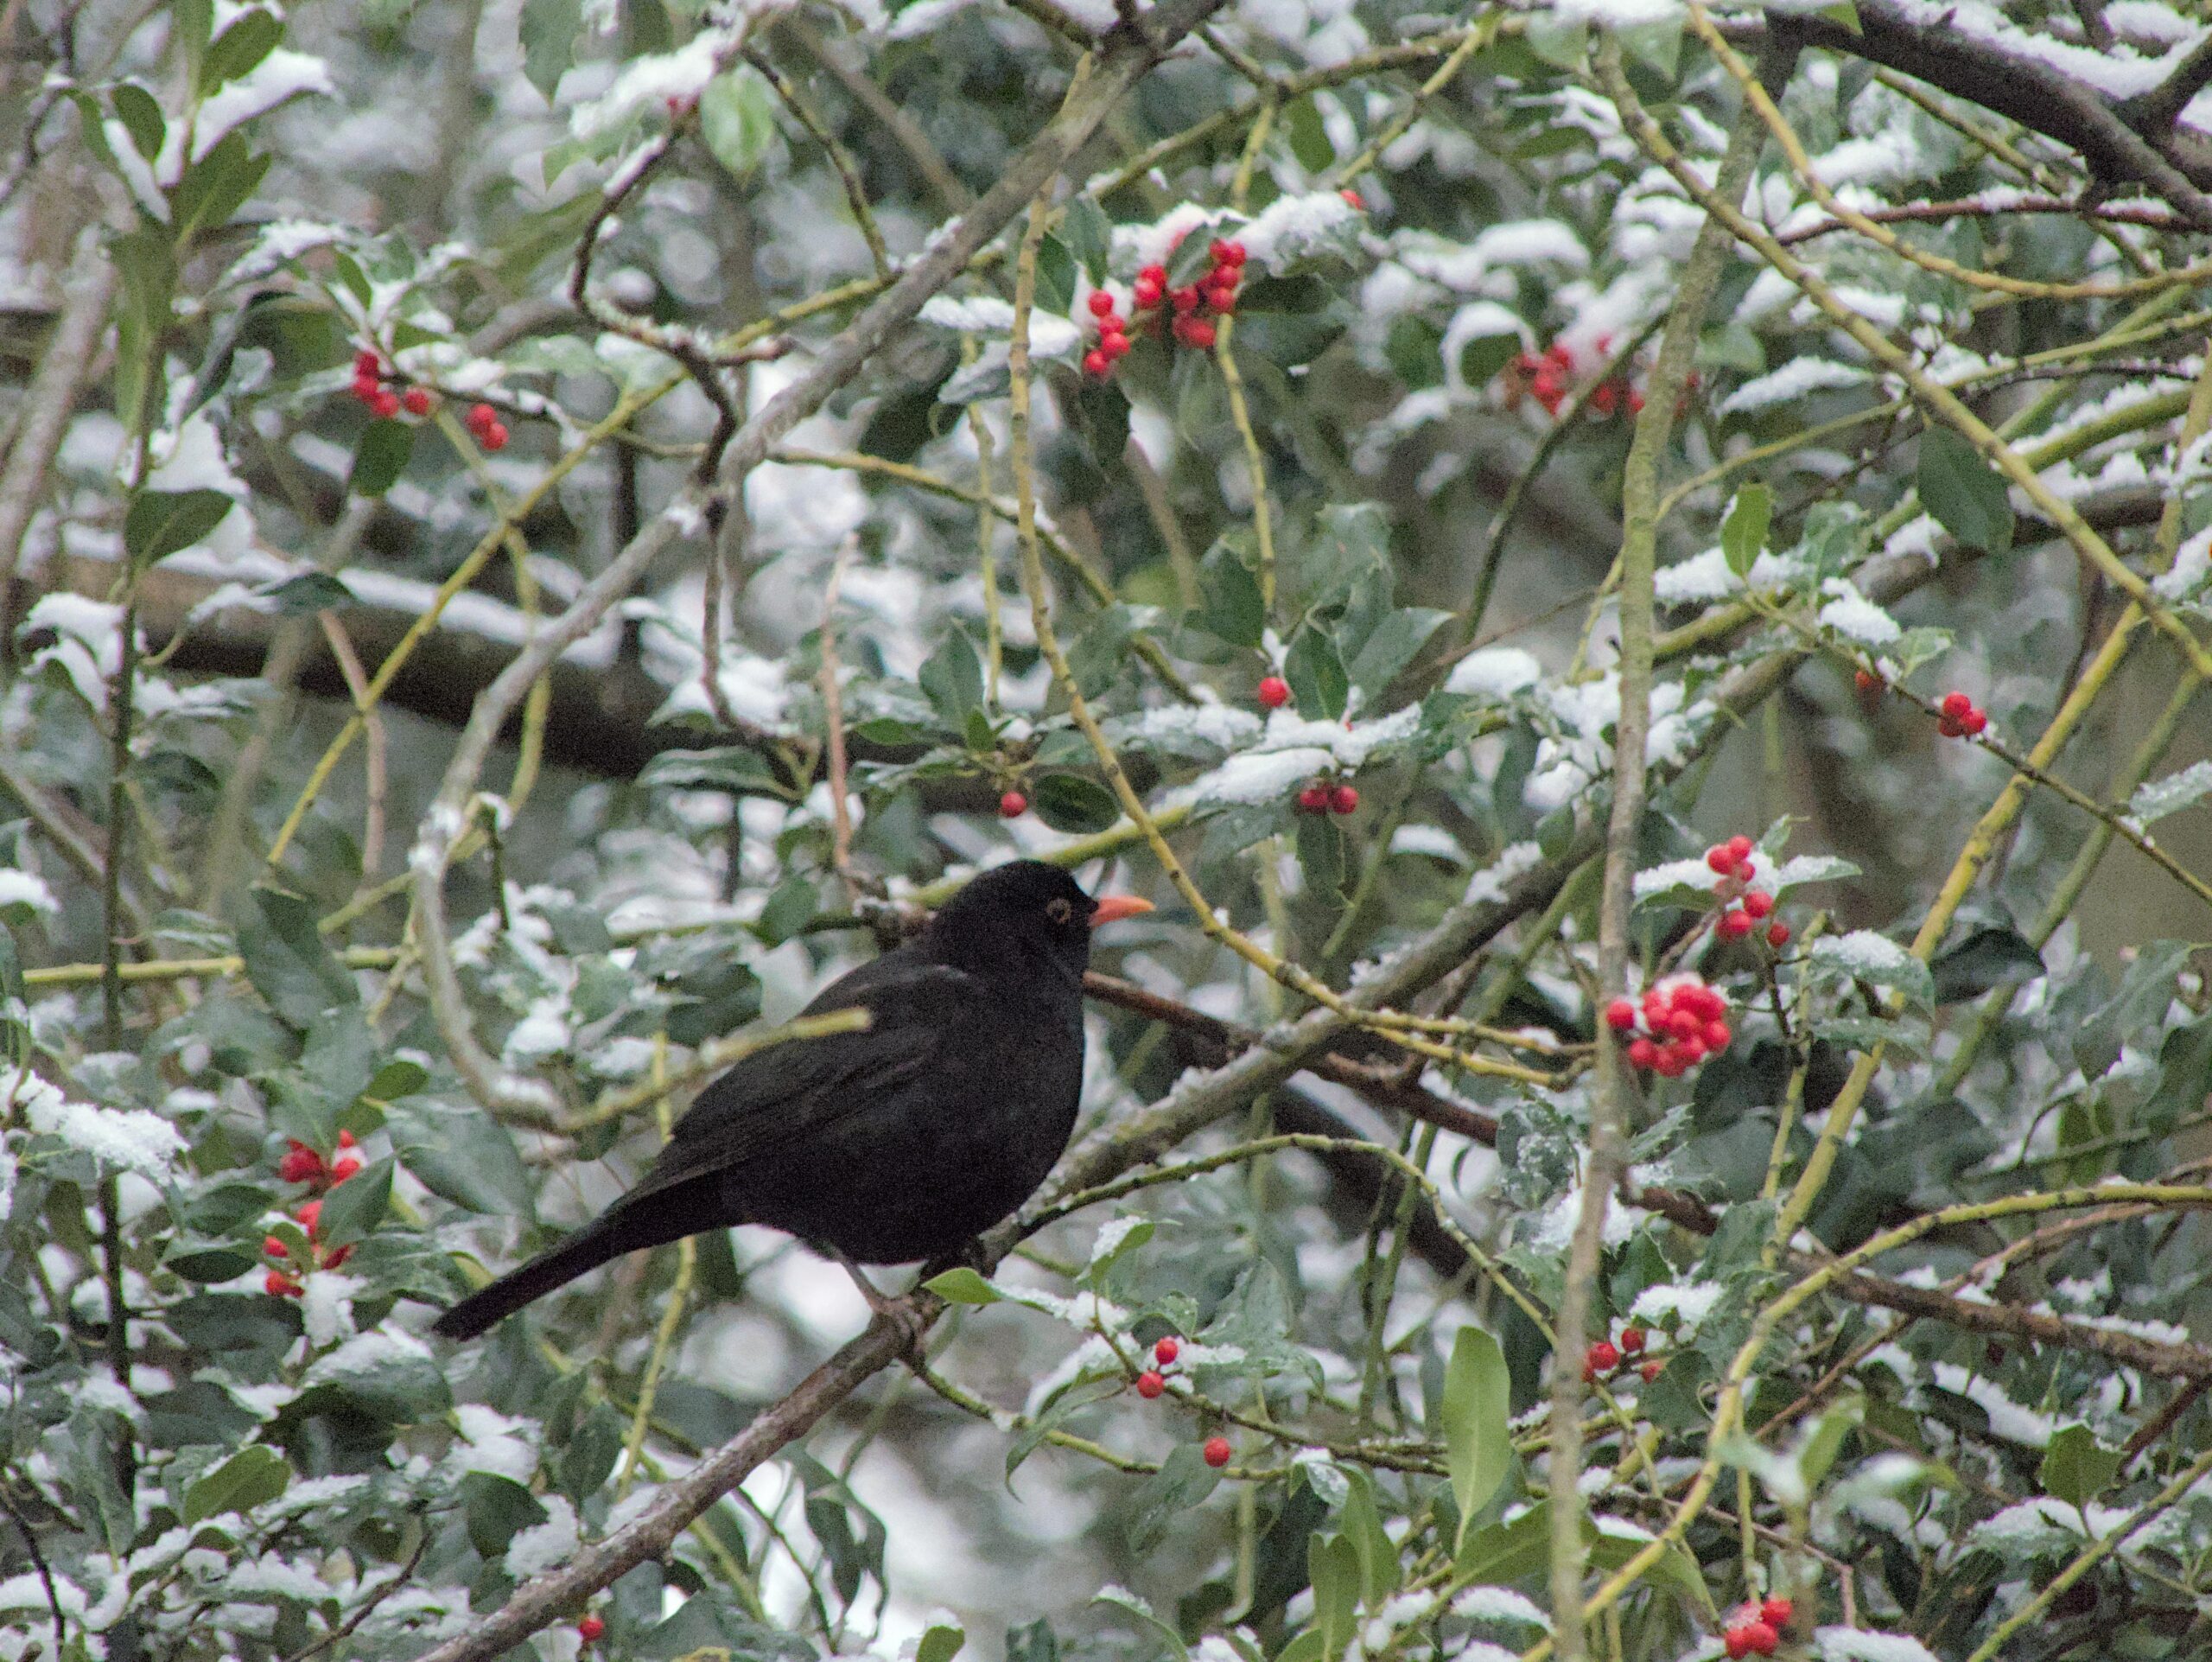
<point>898,1142</point>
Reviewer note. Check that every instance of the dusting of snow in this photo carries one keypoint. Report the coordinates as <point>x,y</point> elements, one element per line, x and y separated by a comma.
<point>25,889</point>
<point>1862,953</point>
<point>547,1544</point>
<point>1488,887</point>
<point>129,1139</point>
<point>1495,673</point>
<point>1295,228</point>
<point>1704,577</point>
<point>1500,1604</point>
<point>1858,1645</point>
<point>1851,614</point>
<point>1798,379</point>
<point>1682,1307</point>
<point>2191,570</point>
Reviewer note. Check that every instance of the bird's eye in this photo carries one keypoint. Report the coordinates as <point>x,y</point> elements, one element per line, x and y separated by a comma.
<point>1060,908</point>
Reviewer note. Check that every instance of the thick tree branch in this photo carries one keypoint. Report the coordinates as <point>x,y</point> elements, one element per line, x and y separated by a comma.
<point>2176,165</point>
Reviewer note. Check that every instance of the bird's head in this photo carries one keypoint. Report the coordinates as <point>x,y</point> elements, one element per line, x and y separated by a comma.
<point>1025,910</point>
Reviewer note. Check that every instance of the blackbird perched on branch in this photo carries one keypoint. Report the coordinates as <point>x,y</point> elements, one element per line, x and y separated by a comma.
<point>898,1142</point>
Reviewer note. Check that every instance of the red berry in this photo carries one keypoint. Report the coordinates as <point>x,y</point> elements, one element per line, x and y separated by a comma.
<point>1718,1036</point>
<point>1101,303</point>
<point>385,403</point>
<point>479,416</point>
<point>1222,299</point>
<point>1145,294</point>
<point>1603,1356</point>
<point>1949,729</point>
<point>1776,1612</point>
<point>310,1214</point>
<point>1633,1339</point>
<point>1733,926</point>
<point>1357,201</point>
<point>1155,274</point>
<point>1759,1639</point>
<point>1314,798</point>
<point>1758,903</point>
<point>1685,1022</point>
<point>1778,933</point>
<point>1274,692</point>
<point>1216,1452</point>
<point>417,400</point>
<point>332,1259</point>
<point>590,1629</point>
<point>275,1248</point>
<point>1113,344</point>
<point>1975,722</point>
<point>301,1164</point>
<point>1671,1063</point>
<point>1745,871</point>
<point>1636,401</point>
<point>1193,332</point>
<point>1642,1053</point>
<point>1719,860</point>
<point>1184,300</point>
<point>1343,800</point>
<point>1692,1050</point>
<point>1620,1015</point>
<point>1739,847</point>
<point>495,436</point>
<point>1168,1350</point>
<point>1866,680</point>
<point>367,366</point>
<point>1737,1642</point>
<point>344,1166</point>
<point>1095,363</point>
<point>1013,805</point>
<point>1651,1370</point>
<point>346,1139</point>
<point>1604,397</point>
<point>1150,1385</point>
<point>1956,704</point>
<point>277,1285</point>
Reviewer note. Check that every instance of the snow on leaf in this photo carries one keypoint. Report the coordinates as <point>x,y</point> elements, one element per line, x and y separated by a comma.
<point>1858,1645</point>
<point>1702,577</point>
<point>1851,614</point>
<point>129,1139</point>
<point>1495,673</point>
<point>2154,800</point>
<point>1800,378</point>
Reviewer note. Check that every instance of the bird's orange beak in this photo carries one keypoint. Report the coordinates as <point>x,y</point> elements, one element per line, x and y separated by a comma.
<point>1112,908</point>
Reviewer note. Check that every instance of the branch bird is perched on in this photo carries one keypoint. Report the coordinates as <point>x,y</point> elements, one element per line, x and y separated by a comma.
<point>898,1142</point>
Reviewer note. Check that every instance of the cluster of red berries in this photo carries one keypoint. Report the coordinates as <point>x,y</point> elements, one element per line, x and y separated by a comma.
<point>1013,805</point>
<point>1548,378</point>
<point>1743,908</point>
<point>1757,1629</point>
<point>1191,307</point>
<point>484,427</point>
<point>301,1164</point>
<point>1152,1384</point>
<point>1682,1020</point>
<point>1154,1381</point>
<point>590,1629</point>
<point>1321,797</point>
<point>369,377</point>
<point>1605,1356</point>
<point>1962,718</point>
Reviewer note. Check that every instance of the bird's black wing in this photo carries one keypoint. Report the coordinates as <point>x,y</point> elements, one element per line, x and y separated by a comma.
<point>796,1090</point>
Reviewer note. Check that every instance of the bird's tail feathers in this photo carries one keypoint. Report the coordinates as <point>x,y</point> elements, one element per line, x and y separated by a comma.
<point>623,1229</point>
